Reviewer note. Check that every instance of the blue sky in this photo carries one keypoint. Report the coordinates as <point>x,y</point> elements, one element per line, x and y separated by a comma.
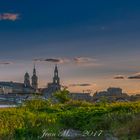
<point>102,34</point>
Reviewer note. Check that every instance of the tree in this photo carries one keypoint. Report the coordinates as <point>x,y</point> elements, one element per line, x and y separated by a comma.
<point>62,96</point>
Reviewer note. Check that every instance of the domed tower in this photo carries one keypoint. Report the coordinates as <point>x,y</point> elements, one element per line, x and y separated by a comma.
<point>27,80</point>
<point>34,79</point>
<point>56,79</point>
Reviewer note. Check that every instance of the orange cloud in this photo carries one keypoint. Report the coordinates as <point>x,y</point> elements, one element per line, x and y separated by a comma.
<point>9,16</point>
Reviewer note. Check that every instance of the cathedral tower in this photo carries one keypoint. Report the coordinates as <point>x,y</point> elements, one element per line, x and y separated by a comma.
<point>34,79</point>
<point>56,79</point>
<point>27,80</point>
<point>54,86</point>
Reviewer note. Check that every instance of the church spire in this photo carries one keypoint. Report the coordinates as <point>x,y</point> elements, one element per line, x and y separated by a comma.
<point>34,70</point>
<point>34,79</point>
<point>56,79</point>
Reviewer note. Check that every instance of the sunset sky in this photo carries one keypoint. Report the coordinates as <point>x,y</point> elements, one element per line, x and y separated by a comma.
<point>96,43</point>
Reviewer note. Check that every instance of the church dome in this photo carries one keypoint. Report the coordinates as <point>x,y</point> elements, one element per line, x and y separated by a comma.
<point>26,74</point>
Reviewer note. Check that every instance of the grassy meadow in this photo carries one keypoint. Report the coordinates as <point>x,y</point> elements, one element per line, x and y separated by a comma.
<point>27,122</point>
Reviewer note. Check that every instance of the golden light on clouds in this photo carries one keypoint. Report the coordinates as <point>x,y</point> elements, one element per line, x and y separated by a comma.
<point>9,16</point>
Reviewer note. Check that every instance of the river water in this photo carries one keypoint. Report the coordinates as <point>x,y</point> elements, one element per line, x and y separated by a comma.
<point>6,106</point>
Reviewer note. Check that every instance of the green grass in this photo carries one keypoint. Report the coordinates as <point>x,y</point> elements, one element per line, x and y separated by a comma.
<point>28,121</point>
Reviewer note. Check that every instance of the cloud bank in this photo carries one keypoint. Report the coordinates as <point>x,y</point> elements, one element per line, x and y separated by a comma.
<point>80,85</point>
<point>119,77</point>
<point>5,63</point>
<point>84,61</point>
<point>52,60</point>
<point>135,76</point>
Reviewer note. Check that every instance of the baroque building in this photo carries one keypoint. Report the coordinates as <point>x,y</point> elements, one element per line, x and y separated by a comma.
<point>56,79</point>
<point>112,94</point>
<point>54,86</point>
<point>20,88</point>
<point>34,79</point>
<point>80,96</point>
<point>27,80</point>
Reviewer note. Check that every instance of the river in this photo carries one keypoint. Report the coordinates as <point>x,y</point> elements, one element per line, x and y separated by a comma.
<point>7,106</point>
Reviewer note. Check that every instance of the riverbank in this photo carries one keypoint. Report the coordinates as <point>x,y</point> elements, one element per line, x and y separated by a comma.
<point>6,104</point>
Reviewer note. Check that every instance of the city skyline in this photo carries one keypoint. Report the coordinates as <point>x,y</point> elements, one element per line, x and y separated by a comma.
<point>95,43</point>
